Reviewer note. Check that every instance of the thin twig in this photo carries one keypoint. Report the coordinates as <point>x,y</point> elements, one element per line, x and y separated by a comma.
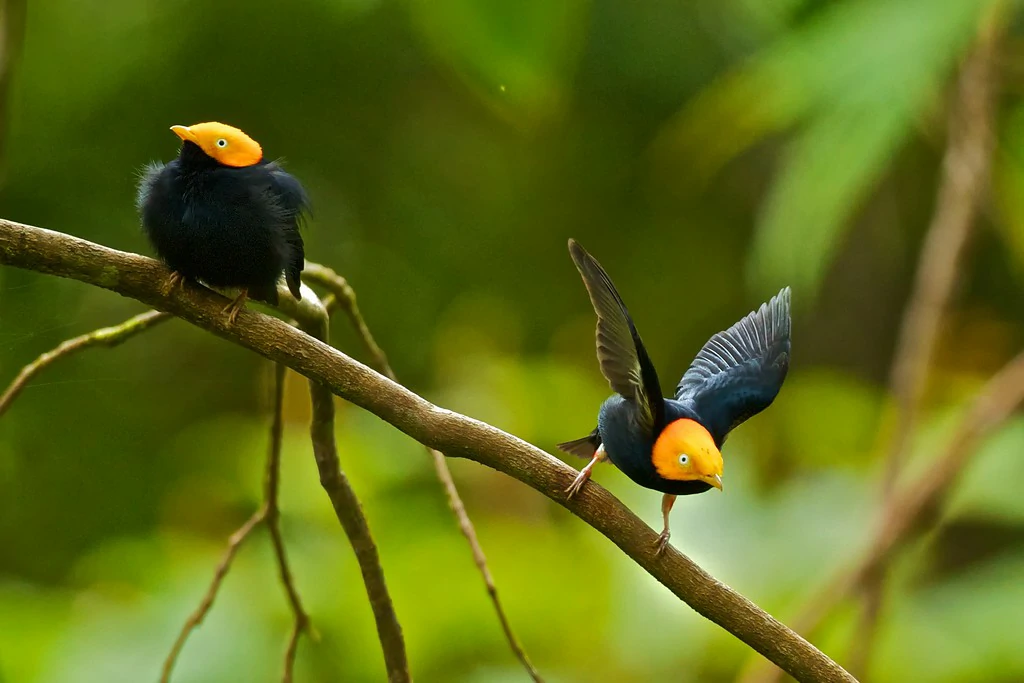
<point>964,180</point>
<point>966,167</point>
<point>961,191</point>
<point>196,618</point>
<point>313,319</point>
<point>911,508</point>
<point>107,336</point>
<point>345,296</point>
<point>139,277</point>
<point>269,513</point>
<point>271,488</point>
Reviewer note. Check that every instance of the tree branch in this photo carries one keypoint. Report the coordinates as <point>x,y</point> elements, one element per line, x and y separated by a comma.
<point>313,319</point>
<point>907,516</point>
<point>964,180</point>
<point>966,166</point>
<point>456,435</point>
<point>196,618</point>
<point>346,298</point>
<point>106,336</point>
<point>269,513</point>
<point>271,488</point>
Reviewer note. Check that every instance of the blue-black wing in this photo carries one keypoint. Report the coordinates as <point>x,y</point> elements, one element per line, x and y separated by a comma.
<point>739,371</point>
<point>294,201</point>
<point>620,352</point>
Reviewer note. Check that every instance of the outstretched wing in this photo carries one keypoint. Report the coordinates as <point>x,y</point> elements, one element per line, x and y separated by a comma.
<point>293,199</point>
<point>739,371</point>
<point>620,352</point>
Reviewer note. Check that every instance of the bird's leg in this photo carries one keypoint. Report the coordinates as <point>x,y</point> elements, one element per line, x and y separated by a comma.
<point>667,501</point>
<point>235,306</point>
<point>584,475</point>
<point>174,281</point>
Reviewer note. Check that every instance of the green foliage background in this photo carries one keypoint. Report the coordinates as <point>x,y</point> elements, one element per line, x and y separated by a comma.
<point>706,152</point>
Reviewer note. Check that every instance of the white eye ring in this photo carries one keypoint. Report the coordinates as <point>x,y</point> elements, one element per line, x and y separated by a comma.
<point>222,143</point>
<point>684,459</point>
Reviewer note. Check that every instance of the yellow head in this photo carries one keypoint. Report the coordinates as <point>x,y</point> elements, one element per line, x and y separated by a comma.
<point>685,451</point>
<point>222,142</point>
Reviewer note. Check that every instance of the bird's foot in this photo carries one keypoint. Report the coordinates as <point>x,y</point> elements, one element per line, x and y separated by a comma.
<point>233,308</point>
<point>174,281</point>
<point>662,542</point>
<point>577,484</point>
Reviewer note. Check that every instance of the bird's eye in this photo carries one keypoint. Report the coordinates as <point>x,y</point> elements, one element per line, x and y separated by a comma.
<point>222,143</point>
<point>684,459</point>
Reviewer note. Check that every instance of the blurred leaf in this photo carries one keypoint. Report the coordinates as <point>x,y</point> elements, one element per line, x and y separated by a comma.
<point>991,486</point>
<point>843,435</point>
<point>1008,185</point>
<point>965,629</point>
<point>858,74</point>
<point>517,57</point>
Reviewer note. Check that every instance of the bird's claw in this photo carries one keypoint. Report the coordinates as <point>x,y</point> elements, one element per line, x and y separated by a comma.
<point>233,308</point>
<point>662,542</point>
<point>577,484</point>
<point>174,281</point>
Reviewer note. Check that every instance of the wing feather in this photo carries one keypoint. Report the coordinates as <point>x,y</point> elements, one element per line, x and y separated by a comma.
<point>620,351</point>
<point>740,370</point>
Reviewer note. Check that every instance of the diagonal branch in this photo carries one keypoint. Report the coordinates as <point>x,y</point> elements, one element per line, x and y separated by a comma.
<point>314,320</point>
<point>966,167</point>
<point>107,336</point>
<point>456,435</point>
<point>964,180</point>
<point>268,513</point>
<point>196,618</point>
<point>345,296</point>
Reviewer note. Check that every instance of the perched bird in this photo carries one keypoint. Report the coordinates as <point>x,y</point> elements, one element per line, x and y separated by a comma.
<point>221,214</point>
<point>673,445</point>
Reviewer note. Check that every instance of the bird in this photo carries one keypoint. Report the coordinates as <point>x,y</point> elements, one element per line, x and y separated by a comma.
<point>222,215</point>
<point>673,445</point>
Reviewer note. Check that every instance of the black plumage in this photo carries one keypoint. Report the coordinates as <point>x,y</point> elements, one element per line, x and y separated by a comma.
<point>227,226</point>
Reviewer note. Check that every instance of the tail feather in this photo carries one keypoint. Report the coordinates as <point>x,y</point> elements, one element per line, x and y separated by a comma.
<point>583,448</point>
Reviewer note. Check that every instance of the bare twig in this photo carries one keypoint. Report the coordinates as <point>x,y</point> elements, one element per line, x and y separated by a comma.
<point>55,253</point>
<point>911,508</point>
<point>966,168</point>
<point>313,319</point>
<point>965,175</point>
<point>269,513</point>
<point>12,38</point>
<point>107,336</point>
<point>271,487</point>
<point>345,296</point>
<point>196,618</point>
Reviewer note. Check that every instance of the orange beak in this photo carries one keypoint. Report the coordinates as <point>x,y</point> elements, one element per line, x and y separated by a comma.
<point>185,133</point>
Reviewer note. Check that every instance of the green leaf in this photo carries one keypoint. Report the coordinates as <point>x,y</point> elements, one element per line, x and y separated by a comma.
<point>854,79</point>
<point>1008,185</point>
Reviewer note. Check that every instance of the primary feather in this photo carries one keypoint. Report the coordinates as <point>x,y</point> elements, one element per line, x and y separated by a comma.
<point>739,371</point>
<point>620,351</point>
